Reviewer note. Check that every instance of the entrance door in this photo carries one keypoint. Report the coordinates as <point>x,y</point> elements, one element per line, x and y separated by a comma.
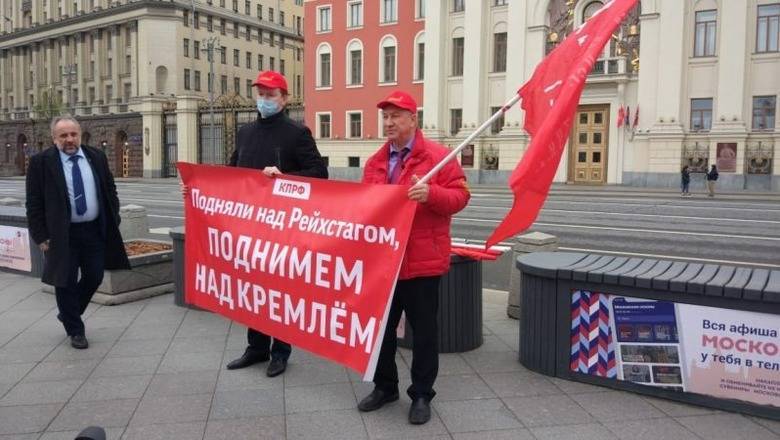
<point>588,145</point>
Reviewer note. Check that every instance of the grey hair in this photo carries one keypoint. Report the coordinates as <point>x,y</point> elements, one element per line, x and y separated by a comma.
<point>57,119</point>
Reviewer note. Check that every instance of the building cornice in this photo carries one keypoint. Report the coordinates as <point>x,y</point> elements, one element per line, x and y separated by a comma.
<point>152,7</point>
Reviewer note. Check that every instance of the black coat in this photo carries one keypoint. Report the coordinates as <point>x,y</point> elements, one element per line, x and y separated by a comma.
<point>280,142</point>
<point>48,212</point>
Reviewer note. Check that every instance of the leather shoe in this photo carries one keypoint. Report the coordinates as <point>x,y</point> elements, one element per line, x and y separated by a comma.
<point>250,357</point>
<point>376,400</point>
<point>420,411</point>
<point>276,367</point>
<point>79,341</point>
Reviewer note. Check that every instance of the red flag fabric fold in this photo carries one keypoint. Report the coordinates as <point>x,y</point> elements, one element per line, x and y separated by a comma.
<point>550,99</point>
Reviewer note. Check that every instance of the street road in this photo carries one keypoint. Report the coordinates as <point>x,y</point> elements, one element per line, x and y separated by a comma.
<point>738,228</point>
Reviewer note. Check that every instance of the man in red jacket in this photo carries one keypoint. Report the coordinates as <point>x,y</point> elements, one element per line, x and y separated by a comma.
<point>402,160</point>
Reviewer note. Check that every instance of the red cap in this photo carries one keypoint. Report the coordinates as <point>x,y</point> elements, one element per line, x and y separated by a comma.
<point>399,99</point>
<point>272,80</point>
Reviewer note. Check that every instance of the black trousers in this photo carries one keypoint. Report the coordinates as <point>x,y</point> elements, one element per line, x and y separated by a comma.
<point>261,344</point>
<point>419,298</point>
<point>87,257</point>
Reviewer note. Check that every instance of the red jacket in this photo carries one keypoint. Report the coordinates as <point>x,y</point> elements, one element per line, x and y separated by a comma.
<point>428,250</point>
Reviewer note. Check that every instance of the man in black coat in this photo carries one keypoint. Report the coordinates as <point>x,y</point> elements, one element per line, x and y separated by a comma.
<point>275,144</point>
<point>73,216</point>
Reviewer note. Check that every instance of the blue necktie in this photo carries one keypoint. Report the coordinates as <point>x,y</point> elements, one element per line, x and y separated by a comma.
<point>78,187</point>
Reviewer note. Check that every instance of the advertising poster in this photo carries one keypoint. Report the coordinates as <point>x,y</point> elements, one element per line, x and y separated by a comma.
<point>706,350</point>
<point>727,157</point>
<point>15,248</point>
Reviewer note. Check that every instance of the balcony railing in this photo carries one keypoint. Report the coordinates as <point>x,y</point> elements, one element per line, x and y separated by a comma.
<point>609,66</point>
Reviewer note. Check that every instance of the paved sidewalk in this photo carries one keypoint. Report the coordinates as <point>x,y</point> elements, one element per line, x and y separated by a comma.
<point>156,371</point>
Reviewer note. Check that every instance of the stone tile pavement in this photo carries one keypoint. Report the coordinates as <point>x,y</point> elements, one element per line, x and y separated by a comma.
<point>156,371</point>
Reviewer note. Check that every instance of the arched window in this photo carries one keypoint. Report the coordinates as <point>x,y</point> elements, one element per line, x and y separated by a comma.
<point>419,57</point>
<point>590,9</point>
<point>354,63</point>
<point>324,65</point>
<point>388,56</point>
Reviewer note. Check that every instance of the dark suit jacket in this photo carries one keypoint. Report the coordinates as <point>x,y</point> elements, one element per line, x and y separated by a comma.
<point>48,212</point>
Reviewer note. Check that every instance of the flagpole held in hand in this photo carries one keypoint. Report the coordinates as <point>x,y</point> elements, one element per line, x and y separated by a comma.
<point>469,139</point>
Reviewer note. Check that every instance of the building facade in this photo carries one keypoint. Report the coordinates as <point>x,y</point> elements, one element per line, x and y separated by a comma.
<point>681,83</point>
<point>121,65</point>
<point>359,51</point>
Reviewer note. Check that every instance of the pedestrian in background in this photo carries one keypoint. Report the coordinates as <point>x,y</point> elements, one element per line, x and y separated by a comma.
<point>712,177</point>
<point>686,181</point>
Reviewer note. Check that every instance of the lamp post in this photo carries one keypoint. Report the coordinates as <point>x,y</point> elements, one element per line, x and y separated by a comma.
<point>209,48</point>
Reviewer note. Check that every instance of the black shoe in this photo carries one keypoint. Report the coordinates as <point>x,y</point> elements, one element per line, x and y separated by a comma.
<point>250,357</point>
<point>276,367</point>
<point>376,400</point>
<point>79,341</point>
<point>420,411</point>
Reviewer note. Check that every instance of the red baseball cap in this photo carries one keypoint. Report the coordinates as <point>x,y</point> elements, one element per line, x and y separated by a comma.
<point>272,80</point>
<point>399,99</point>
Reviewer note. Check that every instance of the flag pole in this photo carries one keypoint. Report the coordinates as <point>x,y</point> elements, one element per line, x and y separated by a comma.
<point>470,138</point>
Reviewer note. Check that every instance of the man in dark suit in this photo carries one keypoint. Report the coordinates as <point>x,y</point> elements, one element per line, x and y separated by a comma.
<point>73,216</point>
<point>275,144</point>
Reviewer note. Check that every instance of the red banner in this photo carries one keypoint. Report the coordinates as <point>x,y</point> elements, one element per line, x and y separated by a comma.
<point>312,262</point>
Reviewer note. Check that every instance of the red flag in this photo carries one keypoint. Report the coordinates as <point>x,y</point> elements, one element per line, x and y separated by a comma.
<point>550,99</point>
<point>621,116</point>
<point>636,118</point>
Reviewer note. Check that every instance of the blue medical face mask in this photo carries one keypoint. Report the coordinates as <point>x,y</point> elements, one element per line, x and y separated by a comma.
<point>267,107</point>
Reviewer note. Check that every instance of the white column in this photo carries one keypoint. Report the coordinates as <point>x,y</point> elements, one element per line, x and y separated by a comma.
<point>649,64</point>
<point>151,114</point>
<point>670,73</point>
<point>99,56</point>
<point>475,65</point>
<point>515,68</point>
<point>116,52</point>
<point>18,73</point>
<point>187,128</point>
<point>728,115</point>
<point>435,72</point>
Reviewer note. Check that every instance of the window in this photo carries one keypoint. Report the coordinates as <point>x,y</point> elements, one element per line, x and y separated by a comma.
<point>323,66</point>
<point>248,34</point>
<point>271,15</point>
<point>704,37</point>
<point>236,57</point>
<point>764,112</point>
<point>353,162</point>
<point>185,18</point>
<point>389,11</point>
<point>355,14</point>
<point>457,56</point>
<point>323,25</point>
<point>128,63</point>
<point>247,6</point>
<point>260,12</point>
<point>420,115</point>
<point>419,73</point>
<point>498,124</point>
<point>109,94</point>
<point>109,67</point>
<point>281,18</point>
<point>235,29</point>
<point>237,85</point>
<point>196,50</point>
<point>355,128</point>
<point>186,47</point>
<point>210,23</point>
<point>271,38</point>
<point>355,67</point>
<point>458,5</point>
<point>456,119</point>
<point>281,67</point>
<point>387,62</point>
<point>768,28</point>
<point>260,62</point>
<point>128,91</point>
<point>701,114</point>
<point>499,52</point>
<point>235,5</point>
<point>186,79</point>
<point>222,26</point>
<point>249,88</point>
<point>420,9</point>
<point>500,2</point>
<point>323,125</point>
<point>196,80</point>
<point>223,55</point>
<point>223,84</point>
<point>297,84</point>
<point>271,63</point>
<point>196,20</point>
<point>249,60</point>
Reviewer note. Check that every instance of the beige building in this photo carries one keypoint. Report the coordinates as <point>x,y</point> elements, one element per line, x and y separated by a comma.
<point>119,65</point>
<point>703,75</point>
